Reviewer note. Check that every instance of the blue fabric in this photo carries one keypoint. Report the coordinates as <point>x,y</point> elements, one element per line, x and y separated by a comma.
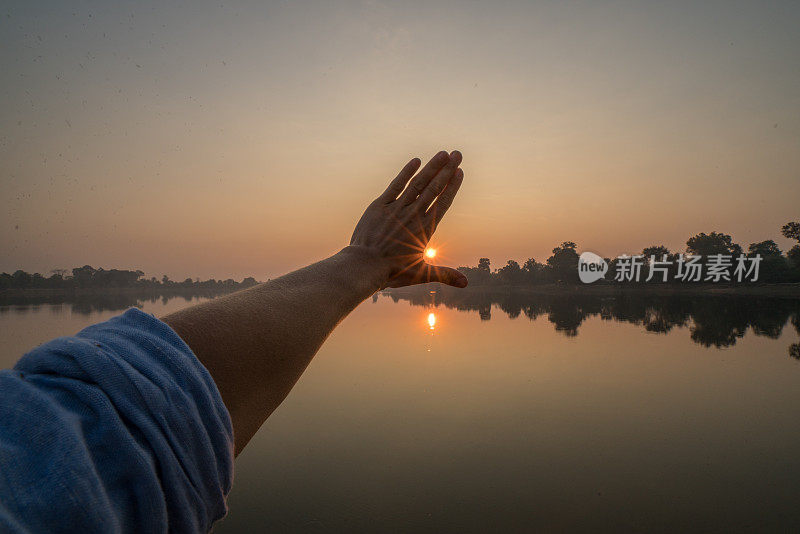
<point>117,429</point>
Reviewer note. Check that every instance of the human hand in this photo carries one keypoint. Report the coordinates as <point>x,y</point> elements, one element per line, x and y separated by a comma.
<point>397,225</point>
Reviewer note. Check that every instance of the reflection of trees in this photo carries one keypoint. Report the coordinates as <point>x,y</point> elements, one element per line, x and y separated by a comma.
<point>794,348</point>
<point>718,322</point>
<point>721,321</point>
<point>94,302</point>
<point>713,321</point>
<point>567,314</point>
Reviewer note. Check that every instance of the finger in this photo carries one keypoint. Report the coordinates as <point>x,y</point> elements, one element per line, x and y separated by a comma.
<point>422,273</point>
<point>440,181</point>
<point>423,177</point>
<point>398,184</point>
<point>445,275</point>
<point>443,202</point>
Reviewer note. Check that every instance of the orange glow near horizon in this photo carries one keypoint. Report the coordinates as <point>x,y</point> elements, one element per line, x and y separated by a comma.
<point>431,320</point>
<point>258,154</point>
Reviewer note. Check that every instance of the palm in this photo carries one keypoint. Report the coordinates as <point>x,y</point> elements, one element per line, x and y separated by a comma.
<point>400,222</point>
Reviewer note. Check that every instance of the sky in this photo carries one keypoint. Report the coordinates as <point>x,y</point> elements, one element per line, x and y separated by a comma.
<point>226,139</point>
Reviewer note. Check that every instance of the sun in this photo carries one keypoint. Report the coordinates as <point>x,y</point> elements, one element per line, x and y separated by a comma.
<point>430,252</point>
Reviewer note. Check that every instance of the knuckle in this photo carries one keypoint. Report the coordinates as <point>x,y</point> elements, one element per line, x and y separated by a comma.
<point>416,188</point>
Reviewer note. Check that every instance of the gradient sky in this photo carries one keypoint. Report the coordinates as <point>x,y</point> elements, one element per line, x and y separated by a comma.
<point>231,139</point>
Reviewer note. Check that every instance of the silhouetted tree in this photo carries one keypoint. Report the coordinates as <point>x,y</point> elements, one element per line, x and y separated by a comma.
<point>21,279</point>
<point>484,265</point>
<point>791,230</point>
<point>564,262</point>
<point>510,274</point>
<point>83,275</point>
<point>714,243</point>
<point>89,277</point>
<point>658,253</point>
<point>774,267</point>
<point>480,275</point>
<point>533,272</point>
<point>764,248</point>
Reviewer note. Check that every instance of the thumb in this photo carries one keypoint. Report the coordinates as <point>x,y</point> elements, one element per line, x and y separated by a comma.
<point>446,275</point>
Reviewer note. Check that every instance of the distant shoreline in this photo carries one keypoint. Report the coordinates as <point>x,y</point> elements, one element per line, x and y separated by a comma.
<point>783,290</point>
<point>93,291</point>
<point>110,297</point>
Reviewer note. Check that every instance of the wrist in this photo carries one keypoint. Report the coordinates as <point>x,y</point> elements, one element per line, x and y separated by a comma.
<point>366,266</point>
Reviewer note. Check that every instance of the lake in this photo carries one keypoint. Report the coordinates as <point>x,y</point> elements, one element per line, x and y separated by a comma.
<point>473,412</point>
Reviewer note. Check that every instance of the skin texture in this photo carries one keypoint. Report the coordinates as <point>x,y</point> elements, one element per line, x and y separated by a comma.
<point>256,343</point>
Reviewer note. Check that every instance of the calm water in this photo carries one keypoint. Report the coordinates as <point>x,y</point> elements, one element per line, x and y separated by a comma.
<point>518,414</point>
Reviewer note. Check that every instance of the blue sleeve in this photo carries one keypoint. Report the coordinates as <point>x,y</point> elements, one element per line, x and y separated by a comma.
<point>117,429</point>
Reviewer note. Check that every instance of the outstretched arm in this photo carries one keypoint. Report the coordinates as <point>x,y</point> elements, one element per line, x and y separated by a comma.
<point>256,343</point>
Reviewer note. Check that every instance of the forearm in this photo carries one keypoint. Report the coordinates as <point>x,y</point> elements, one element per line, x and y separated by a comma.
<point>256,343</point>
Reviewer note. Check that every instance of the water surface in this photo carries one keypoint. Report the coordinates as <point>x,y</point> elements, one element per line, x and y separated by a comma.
<point>520,413</point>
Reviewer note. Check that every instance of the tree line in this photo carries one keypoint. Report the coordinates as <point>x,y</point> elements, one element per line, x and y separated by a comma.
<point>89,277</point>
<point>562,265</point>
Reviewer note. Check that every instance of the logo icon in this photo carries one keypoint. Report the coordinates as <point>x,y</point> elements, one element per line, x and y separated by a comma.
<point>591,267</point>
